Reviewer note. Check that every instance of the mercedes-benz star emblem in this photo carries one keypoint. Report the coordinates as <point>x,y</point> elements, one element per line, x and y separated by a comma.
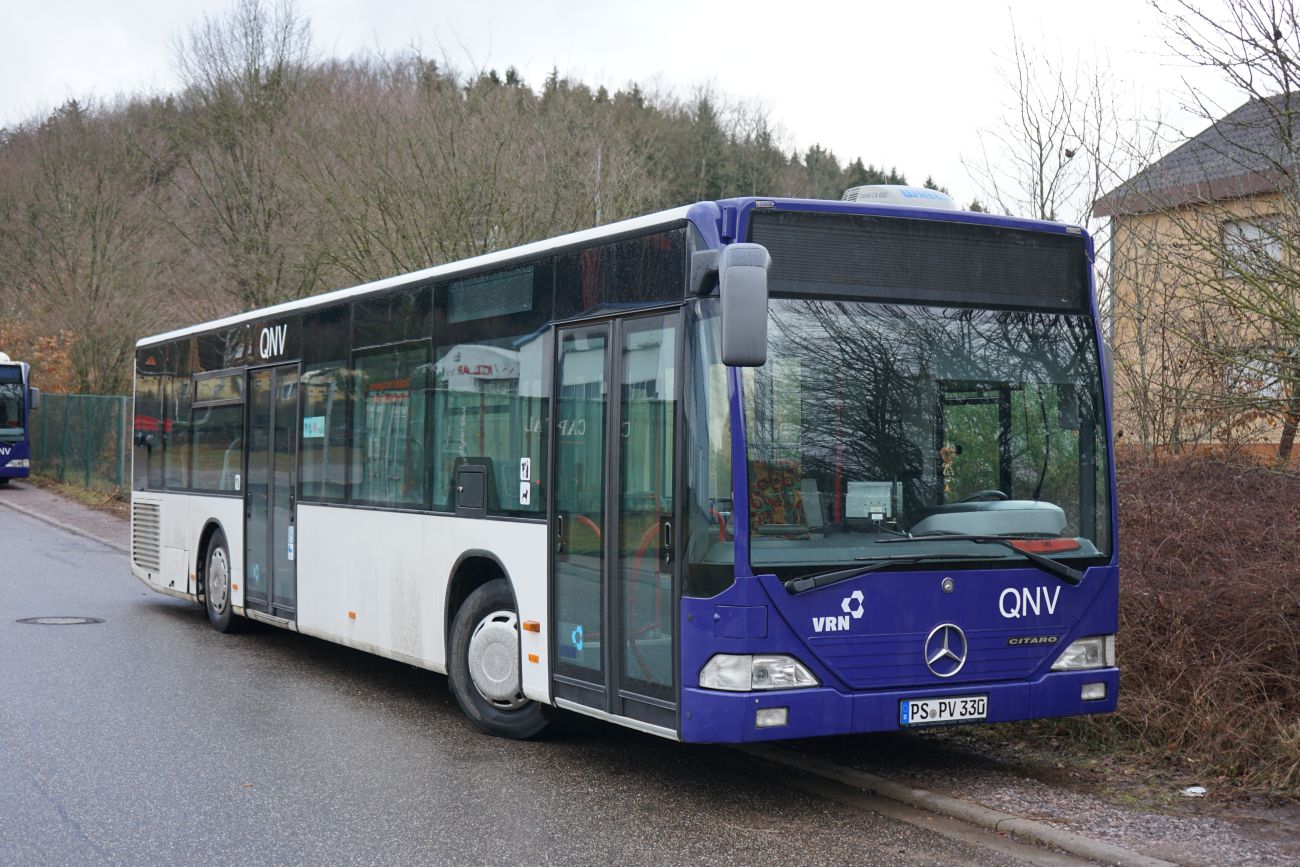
<point>945,650</point>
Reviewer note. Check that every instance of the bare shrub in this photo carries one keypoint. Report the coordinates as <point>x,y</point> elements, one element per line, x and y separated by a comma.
<point>1209,643</point>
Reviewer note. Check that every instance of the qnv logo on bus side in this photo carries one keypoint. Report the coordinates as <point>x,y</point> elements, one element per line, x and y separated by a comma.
<point>272,340</point>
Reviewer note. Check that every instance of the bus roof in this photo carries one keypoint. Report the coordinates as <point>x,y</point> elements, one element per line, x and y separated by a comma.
<point>500,256</point>
<point>636,224</point>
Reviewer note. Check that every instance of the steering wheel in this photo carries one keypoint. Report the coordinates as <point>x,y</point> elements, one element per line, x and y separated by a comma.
<point>987,496</point>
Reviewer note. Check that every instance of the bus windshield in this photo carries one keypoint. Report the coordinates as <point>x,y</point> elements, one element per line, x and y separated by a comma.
<point>879,421</point>
<point>11,403</point>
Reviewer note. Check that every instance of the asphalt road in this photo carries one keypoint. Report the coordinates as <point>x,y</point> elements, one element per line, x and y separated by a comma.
<point>152,739</point>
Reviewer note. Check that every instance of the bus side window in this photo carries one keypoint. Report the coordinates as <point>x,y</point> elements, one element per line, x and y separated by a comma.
<point>490,388</point>
<point>326,388</point>
<point>389,463</point>
<point>147,445</point>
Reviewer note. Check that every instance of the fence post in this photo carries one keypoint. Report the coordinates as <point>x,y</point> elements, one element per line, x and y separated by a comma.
<point>121,441</point>
<point>89,403</point>
<point>63,446</point>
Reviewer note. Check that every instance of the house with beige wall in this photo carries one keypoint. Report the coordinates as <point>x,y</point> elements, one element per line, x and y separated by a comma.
<point>1204,332</point>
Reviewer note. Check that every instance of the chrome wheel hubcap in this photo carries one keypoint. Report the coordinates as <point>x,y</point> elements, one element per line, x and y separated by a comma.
<point>218,588</point>
<point>494,660</point>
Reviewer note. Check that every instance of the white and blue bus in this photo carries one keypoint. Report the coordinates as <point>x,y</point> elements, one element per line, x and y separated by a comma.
<point>743,470</point>
<point>17,400</point>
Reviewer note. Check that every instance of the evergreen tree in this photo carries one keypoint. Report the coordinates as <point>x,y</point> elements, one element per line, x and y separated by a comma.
<point>856,174</point>
<point>822,170</point>
<point>931,185</point>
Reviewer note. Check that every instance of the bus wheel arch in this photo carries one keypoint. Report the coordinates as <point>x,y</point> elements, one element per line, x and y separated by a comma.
<point>212,527</point>
<point>472,570</point>
<point>483,618</point>
<point>214,548</point>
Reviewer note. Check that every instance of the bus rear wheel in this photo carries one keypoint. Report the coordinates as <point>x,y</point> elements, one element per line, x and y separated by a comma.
<point>484,664</point>
<point>216,584</point>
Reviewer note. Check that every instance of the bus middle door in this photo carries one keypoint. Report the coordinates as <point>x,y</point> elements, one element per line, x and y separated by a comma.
<point>270,531</point>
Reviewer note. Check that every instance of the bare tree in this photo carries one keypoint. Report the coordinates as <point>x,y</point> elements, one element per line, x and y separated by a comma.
<point>242,72</point>
<point>1233,236</point>
<point>1058,141</point>
<point>1063,138</point>
<point>77,244</point>
<point>421,167</point>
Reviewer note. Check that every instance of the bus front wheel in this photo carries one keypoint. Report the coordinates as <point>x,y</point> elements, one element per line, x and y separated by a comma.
<point>216,584</point>
<point>484,665</point>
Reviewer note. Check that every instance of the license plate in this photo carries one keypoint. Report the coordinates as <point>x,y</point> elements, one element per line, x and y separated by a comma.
<point>937,711</point>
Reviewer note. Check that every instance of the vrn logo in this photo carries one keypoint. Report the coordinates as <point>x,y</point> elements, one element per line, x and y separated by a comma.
<point>272,340</point>
<point>4,450</point>
<point>851,605</point>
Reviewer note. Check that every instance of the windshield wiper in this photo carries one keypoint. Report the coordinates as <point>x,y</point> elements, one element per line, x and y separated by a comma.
<point>1057,569</point>
<point>795,586</point>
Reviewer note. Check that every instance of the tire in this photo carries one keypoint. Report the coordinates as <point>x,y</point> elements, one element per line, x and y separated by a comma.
<point>4,481</point>
<point>216,584</point>
<point>484,645</point>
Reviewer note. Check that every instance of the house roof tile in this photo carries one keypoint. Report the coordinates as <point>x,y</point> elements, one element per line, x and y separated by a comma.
<point>1242,154</point>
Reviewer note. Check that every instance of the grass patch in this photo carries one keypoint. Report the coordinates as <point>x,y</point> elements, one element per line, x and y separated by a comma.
<point>114,502</point>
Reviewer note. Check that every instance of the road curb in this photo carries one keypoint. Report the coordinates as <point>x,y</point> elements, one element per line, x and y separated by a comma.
<point>32,513</point>
<point>966,811</point>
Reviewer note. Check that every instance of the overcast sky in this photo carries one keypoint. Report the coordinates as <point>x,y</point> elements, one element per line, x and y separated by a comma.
<point>899,84</point>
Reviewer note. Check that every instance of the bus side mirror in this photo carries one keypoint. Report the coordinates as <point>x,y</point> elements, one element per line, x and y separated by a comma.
<point>34,397</point>
<point>742,286</point>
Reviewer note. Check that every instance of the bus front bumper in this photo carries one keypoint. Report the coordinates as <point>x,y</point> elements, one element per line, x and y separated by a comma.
<point>712,716</point>
<point>17,468</point>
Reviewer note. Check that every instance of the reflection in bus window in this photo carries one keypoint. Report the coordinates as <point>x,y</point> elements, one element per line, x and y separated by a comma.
<point>489,409</point>
<point>710,544</point>
<point>389,463</point>
<point>11,403</point>
<point>873,419</point>
<point>218,447</point>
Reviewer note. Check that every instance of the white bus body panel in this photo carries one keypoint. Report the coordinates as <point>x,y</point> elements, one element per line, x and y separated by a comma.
<point>391,569</point>
<point>181,519</point>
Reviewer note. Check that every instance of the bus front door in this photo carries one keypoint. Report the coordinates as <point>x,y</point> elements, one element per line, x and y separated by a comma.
<point>613,519</point>
<point>270,578</point>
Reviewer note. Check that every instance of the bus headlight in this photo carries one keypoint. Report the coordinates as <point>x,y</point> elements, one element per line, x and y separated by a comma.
<point>742,673</point>
<point>1096,651</point>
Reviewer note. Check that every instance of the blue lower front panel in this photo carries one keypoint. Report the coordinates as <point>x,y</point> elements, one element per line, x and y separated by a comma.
<point>710,716</point>
<point>14,460</point>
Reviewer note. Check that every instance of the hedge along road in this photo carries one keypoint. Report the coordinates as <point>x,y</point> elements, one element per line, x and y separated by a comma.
<point>150,739</point>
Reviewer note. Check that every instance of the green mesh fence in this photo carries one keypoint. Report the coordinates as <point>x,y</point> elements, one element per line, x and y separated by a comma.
<point>83,439</point>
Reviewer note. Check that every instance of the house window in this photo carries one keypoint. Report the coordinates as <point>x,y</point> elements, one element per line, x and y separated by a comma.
<point>1251,246</point>
<point>1256,379</point>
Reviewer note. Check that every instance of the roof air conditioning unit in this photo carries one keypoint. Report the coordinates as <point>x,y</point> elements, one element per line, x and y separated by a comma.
<point>892,194</point>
